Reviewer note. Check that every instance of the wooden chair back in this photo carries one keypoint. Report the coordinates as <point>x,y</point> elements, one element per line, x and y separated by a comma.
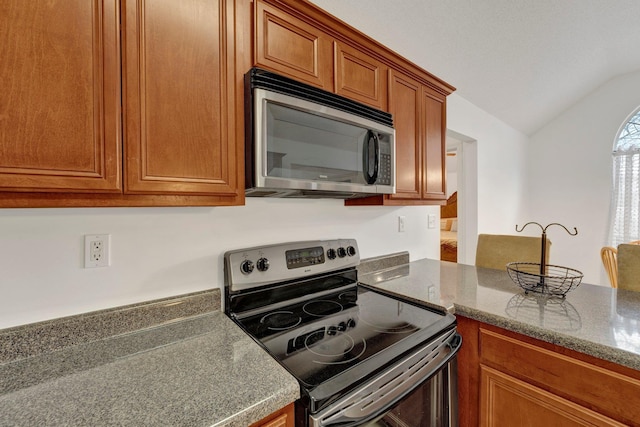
<point>609,257</point>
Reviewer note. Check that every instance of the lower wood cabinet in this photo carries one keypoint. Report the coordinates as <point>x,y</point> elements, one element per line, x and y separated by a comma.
<point>507,379</point>
<point>507,401</point>
<point>282,418</point>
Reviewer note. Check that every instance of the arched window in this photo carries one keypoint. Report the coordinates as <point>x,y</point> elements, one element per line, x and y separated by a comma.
<point>625,195</point>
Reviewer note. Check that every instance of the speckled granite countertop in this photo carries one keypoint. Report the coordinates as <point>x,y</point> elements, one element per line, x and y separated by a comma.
<point>594,320</point>
<point>200,370</point>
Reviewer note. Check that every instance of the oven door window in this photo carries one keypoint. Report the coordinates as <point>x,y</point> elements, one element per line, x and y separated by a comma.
<point>426,406</point>
<point>305,146</point>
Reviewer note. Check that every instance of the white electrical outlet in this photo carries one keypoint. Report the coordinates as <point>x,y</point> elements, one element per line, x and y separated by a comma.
<point>96,250</point>
<point>431,221</point>
<point>401,224</point>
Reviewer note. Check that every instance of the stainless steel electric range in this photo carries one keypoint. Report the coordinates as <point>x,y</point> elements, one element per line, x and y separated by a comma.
<point>362,358</point>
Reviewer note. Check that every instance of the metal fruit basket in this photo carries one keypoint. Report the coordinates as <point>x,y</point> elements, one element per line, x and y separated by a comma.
<point>556,280</point>
<point>542,278</point>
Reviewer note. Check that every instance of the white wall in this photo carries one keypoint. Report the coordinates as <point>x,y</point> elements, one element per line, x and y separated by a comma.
<point>160,252</point>
<point>499,150</point>
<point>452,165</point>
<point>569,173</point>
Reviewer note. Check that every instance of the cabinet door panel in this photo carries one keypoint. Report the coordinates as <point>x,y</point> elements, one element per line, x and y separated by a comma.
<point>291,47</point>
<point>434,143</point>
<point>574,379</point>
<point>360,77</point>
<point>179,107</point>
<point>507,401</point>
<point>282,418</point>
<point>60,85</point>
<point>405,98</point>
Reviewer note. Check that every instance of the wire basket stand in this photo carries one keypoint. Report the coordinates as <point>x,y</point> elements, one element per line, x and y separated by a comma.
<point>542,278</point>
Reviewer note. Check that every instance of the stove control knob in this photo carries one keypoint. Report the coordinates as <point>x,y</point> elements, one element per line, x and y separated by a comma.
<point>246,267</point>
<point>331,253</point>
<point>262,264</point>
<point>351,323</point>
<point>342,326</point>
<point>332,330</point>
<point>351,251</point>
<point>342,252</point>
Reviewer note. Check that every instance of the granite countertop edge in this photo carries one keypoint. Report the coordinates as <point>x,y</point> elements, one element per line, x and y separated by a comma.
<point>610,354</point>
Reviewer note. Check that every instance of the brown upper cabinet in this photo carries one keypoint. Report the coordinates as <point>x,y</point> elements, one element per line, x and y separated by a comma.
<point>292,47</point>
<point>290,39</point>
<point>141,103</point>
<point>293,38</point>
<point>64,66</point>
<point>60,102</point>
<point>434,127</point>
<point>405,104</point>
<point>359,76</point>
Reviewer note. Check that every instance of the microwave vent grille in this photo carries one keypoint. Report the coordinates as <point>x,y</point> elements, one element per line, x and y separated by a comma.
<point>266,80</point>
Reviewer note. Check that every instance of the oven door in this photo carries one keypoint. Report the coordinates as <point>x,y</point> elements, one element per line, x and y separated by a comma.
<point>432,404</point>
<point>418,391</point>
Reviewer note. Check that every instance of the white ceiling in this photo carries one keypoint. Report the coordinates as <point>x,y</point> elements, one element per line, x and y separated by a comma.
<point>522,61</point>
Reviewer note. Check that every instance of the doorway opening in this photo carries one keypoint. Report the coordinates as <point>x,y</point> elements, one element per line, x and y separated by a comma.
<point>462,189</point>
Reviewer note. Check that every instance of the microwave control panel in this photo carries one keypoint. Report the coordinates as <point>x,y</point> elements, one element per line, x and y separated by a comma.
<point>384,173</point>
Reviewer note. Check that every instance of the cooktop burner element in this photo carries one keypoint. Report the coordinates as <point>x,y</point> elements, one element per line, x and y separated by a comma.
<point>336,349</point>
<point>309,312</point>
<point>280,320</point>
<point>322,308</point>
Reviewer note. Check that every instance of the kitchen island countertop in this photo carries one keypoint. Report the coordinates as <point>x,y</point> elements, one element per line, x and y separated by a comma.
<point>595,320</point>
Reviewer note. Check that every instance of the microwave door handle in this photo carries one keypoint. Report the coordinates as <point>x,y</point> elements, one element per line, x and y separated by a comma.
<point>371,178</point>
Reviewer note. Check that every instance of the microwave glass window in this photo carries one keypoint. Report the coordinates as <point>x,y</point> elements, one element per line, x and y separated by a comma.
<point>307,146</point>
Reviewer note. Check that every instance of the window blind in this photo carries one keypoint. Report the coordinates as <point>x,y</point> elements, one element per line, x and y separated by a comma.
<point>625,193</point>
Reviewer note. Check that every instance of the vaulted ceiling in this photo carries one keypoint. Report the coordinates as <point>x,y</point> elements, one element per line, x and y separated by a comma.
<point>522,61</point>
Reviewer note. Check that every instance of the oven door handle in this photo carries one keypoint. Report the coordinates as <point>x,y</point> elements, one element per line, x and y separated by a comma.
<point>380,394</point>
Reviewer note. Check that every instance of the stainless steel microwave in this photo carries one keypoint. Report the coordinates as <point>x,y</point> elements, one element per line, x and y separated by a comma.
<point>302,141</point>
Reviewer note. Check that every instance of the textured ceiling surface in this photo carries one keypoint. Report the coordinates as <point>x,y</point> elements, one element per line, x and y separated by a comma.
<point>522,61</point>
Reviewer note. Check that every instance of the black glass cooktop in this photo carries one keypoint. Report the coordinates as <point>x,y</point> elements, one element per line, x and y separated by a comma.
<point>324,337</point>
